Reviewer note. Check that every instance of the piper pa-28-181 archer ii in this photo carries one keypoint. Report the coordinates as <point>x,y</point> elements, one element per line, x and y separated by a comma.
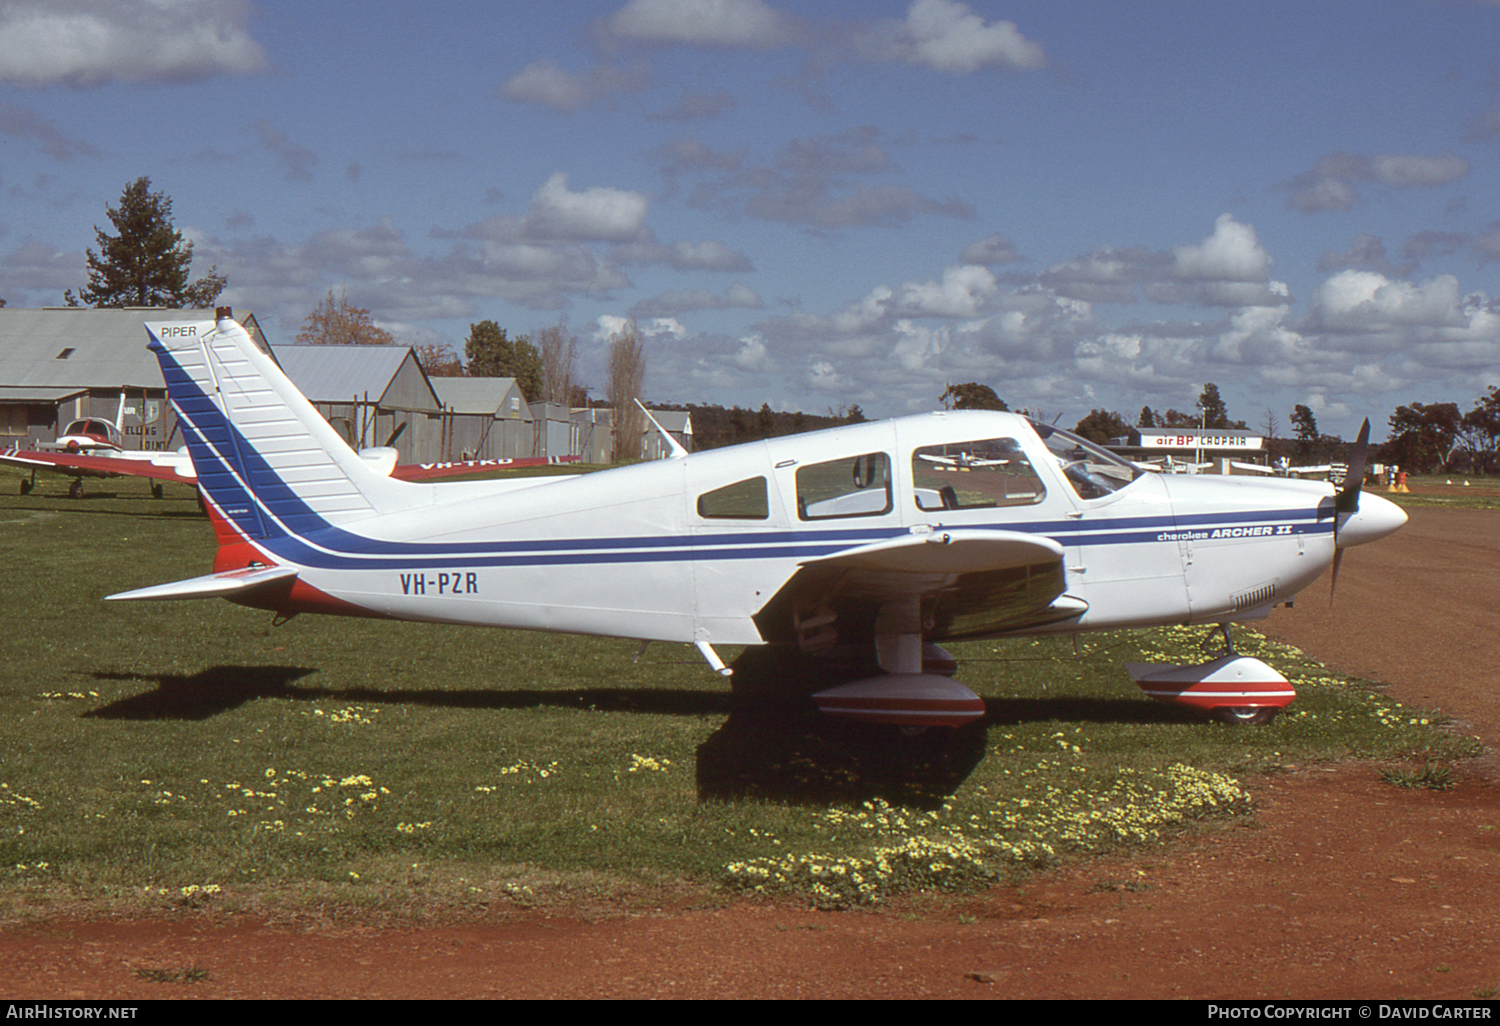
<point>889,536</point>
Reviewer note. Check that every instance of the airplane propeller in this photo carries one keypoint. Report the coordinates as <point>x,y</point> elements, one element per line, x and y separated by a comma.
<point>1346,502</point>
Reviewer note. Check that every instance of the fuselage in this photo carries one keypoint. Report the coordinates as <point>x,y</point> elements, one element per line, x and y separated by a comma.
<point>692,549</point>
<point>90,435</point>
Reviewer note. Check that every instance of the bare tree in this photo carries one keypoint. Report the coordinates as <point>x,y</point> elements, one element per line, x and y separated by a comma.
<point>627,371</point>
<point>559,363</point>
<point>336,321</point>
<point>439,360</point>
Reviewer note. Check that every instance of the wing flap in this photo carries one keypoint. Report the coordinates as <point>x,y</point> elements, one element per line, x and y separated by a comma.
<point>966,583</point>
<point>946,552</point>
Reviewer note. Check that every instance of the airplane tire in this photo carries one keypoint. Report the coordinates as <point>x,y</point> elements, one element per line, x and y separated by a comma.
<point>1245,716</point>
<point>25,487</point>
<point>156,491</point>
<point>75,490</point>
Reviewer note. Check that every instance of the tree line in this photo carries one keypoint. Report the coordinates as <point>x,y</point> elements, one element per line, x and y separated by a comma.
<point>1429,438</point>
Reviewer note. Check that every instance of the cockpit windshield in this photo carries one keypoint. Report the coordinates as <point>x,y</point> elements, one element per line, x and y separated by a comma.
<point>1092,470</point>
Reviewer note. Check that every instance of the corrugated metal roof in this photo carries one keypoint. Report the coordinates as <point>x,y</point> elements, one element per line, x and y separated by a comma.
<point>81,347</point>
<point>679,421</point>
<point>338,374</point>
<point>37,395</point>
<point>476,395</point>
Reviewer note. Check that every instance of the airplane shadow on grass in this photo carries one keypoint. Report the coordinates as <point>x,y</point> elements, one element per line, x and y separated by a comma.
<point>221,688</point>
<point>773,744</point>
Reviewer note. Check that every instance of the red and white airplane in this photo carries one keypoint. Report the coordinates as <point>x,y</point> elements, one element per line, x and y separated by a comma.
<point>162,466</point>
<point>178,466</point>
<point>822,542</point>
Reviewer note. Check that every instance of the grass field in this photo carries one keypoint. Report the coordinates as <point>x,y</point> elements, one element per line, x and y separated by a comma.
<point>1471,491</point>
<point>191,754</point>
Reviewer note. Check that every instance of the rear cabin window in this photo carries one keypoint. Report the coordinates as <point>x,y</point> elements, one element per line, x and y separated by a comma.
<point>981,474</point>
<point>743,500</point>
<point>854,486</point>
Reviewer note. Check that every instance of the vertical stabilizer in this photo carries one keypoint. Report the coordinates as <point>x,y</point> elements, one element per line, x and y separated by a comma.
<point>264,455</point>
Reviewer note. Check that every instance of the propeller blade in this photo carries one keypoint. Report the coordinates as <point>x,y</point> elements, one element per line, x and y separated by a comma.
<point>396,434</point>
<point>1347,500</point>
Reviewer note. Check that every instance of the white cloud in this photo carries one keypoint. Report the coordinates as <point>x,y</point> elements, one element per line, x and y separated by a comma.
<point>547,83</point>
<point>947,36</point>
<point>754,356</point>
<point>1366,301</point>
<point>991,250</point>
<point>866,312</point>
<point>1405,171</point>
<point>609,325</point>
<point>699,23</point>
<point>822,376</point>
<point>1231,253</point>
<point>964,291</point>
<point>90,42</point>
<point>596,214</point>
<point>1330,185</point>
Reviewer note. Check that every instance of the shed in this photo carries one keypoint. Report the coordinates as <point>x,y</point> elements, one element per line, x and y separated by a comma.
<point>368,393</point>
<point>487,418</point>
<point>59,364</point>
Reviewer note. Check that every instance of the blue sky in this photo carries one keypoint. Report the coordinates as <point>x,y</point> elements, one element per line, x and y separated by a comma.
<point>812,205</point>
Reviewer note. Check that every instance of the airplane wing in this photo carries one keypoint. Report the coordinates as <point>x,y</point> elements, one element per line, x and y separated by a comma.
<point>164,466</point>
<point>967,584</point>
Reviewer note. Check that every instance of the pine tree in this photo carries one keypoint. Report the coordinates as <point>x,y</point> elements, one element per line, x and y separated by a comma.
<point>147,263</point>
<point>1213,408</point>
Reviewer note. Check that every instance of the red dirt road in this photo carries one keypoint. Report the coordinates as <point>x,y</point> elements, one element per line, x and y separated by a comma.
<point>1344,888</point>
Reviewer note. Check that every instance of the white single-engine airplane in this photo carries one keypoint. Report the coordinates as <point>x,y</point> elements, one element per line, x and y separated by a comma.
<point>849,536</point>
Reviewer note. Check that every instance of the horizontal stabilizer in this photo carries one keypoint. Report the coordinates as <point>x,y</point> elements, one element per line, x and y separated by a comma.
<point>230,584</point>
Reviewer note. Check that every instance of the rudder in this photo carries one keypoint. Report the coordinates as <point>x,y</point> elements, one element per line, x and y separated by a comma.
<point>264,455</point>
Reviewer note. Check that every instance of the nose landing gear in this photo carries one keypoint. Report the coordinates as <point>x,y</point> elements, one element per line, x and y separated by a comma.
<point>1235,690</point>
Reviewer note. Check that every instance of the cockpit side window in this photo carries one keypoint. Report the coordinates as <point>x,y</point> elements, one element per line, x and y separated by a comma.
<point>743,500</point>
<point>980,474</point>
<point>853,486</point>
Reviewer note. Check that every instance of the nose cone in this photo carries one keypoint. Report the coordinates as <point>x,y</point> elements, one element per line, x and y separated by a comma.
<point>1375,518</point>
